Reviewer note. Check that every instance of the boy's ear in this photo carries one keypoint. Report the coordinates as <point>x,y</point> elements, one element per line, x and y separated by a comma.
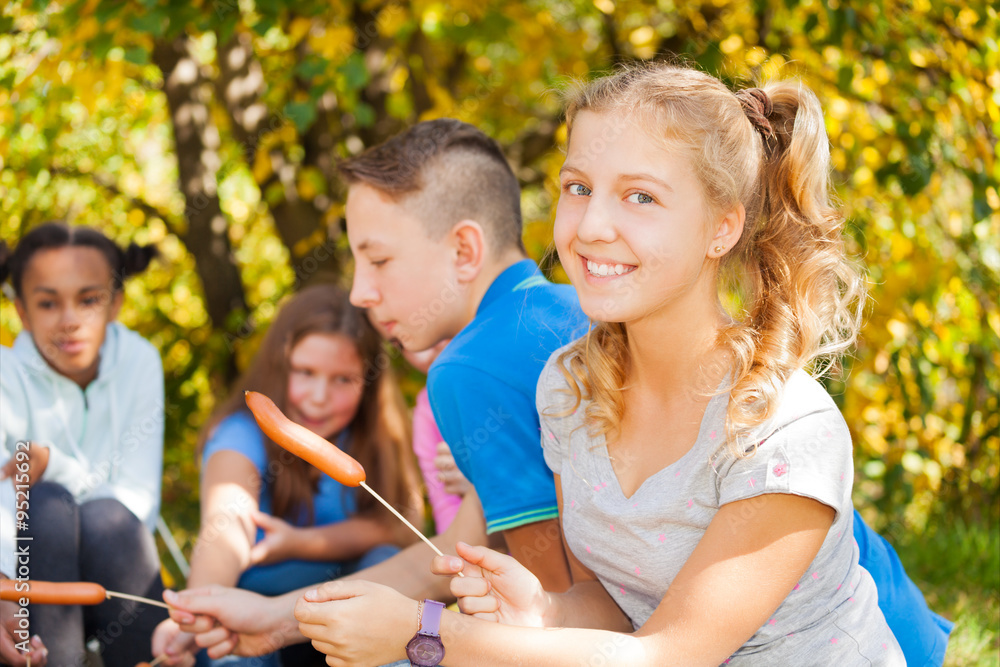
<point>469,243</point>
<point>728,232</point>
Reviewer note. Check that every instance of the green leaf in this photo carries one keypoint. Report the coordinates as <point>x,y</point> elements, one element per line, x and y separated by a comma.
<point>155,23</point>
<point>137,55</point>
<point>303,114</point>
<point>228,26</point>
<point>312,67</point>
<point>354,72</point>
<point>101,44</point>
<point>364,114</point>
<point>262,26</point>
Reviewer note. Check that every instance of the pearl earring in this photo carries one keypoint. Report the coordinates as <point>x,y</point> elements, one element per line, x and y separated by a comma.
<point>719,248</point>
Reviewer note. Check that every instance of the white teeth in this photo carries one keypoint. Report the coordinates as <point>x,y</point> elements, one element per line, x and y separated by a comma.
<point>596,269</point>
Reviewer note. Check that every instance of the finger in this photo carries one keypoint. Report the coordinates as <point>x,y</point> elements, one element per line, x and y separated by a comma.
<point>316,633</point>
<point>488,559</point>
<point>336,590</point>
<point>202,607</point>
<point>445,461</point>
<point>262,519</point>
<point>259,551</point>
<point>443,448</point>
<point>39,652</point>
<point>468,587</point>
<point>213,637</point>
<point>486,604</point>
<point>223,648</point>
<point>180,644</point>
<point>447,565</point>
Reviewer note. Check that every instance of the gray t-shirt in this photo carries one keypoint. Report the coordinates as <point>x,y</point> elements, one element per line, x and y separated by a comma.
<point>637,545</point>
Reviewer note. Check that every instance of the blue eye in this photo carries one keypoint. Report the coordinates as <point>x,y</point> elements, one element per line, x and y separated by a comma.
<point>578,189</point>
<point>640,198</point>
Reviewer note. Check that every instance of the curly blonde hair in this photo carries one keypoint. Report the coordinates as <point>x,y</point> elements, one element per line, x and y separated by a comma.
<point>801,296</point>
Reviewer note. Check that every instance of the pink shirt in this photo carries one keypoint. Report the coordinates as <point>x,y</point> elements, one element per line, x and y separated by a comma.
<point>426,437</point>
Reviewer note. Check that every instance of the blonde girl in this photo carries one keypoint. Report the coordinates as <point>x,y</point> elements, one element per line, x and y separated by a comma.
<point>704,477</point>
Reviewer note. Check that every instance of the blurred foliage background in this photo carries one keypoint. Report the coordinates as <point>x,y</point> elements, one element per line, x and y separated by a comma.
<point>212,127</point>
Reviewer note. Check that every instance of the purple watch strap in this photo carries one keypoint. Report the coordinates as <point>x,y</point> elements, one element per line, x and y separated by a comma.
<point>430,623</point>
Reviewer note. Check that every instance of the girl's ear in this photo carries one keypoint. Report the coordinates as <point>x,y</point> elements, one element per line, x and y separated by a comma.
<point>469,244</point>
<point>117,300</point>
<point>22,313</point>
<point>728,232</point>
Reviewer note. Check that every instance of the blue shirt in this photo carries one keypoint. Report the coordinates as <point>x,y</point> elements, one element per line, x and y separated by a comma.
<point>482,393</point>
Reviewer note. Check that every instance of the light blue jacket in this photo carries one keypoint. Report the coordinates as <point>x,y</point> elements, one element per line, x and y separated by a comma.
<point>104,441</point>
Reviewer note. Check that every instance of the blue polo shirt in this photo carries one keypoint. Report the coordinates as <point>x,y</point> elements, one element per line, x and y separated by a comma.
<point>482,392</point>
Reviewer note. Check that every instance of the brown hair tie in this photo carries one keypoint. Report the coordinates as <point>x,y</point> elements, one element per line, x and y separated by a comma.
<point>757,106</point>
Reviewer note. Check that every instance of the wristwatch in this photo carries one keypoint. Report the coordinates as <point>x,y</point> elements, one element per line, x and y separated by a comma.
<point>426,649</point>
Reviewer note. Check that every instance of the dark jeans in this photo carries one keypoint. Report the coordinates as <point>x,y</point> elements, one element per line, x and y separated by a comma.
<point>100,541</point>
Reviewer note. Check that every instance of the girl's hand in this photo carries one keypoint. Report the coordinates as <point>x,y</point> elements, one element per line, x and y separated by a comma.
<point>177,645</point>
<point>448,473</point>
<point>9,653</point>
<point>279,543</point>
<point>495,587</point>
<point>357,622</point>
<point>37,460</point>
<point>232,620</point>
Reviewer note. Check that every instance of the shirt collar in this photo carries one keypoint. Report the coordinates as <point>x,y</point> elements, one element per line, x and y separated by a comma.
<point>518,276</point>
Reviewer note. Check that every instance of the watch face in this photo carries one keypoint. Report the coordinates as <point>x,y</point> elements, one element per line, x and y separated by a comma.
<point>425,650</point>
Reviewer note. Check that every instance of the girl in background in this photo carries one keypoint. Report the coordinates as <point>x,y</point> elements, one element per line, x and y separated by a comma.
<point>272,523</point>
<point>83,396</point>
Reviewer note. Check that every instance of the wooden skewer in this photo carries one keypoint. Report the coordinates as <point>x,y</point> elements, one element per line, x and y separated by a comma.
<point>404,520</point>
<point>158,660</point>
<point>137,598</point>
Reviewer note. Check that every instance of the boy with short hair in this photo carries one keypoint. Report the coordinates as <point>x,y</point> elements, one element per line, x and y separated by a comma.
<point>434,223</point>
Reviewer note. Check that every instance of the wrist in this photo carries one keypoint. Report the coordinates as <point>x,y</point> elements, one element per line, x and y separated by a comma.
<point>425,648</point>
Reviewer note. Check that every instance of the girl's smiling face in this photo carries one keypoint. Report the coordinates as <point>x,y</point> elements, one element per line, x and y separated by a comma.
<point>325,383</point>
<point>631,224</point>
<point>66,304</point>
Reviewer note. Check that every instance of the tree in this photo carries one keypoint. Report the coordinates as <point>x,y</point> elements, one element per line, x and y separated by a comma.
<point>213,129</point>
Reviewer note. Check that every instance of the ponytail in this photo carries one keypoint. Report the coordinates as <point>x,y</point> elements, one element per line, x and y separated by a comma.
<point>803,297</point>
<point>136,258</point>
<point>51,235</point>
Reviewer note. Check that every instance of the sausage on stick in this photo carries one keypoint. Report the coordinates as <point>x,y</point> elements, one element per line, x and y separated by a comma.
<point>52,592</point>
<point>317,451</point>
<point>63,592</point>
